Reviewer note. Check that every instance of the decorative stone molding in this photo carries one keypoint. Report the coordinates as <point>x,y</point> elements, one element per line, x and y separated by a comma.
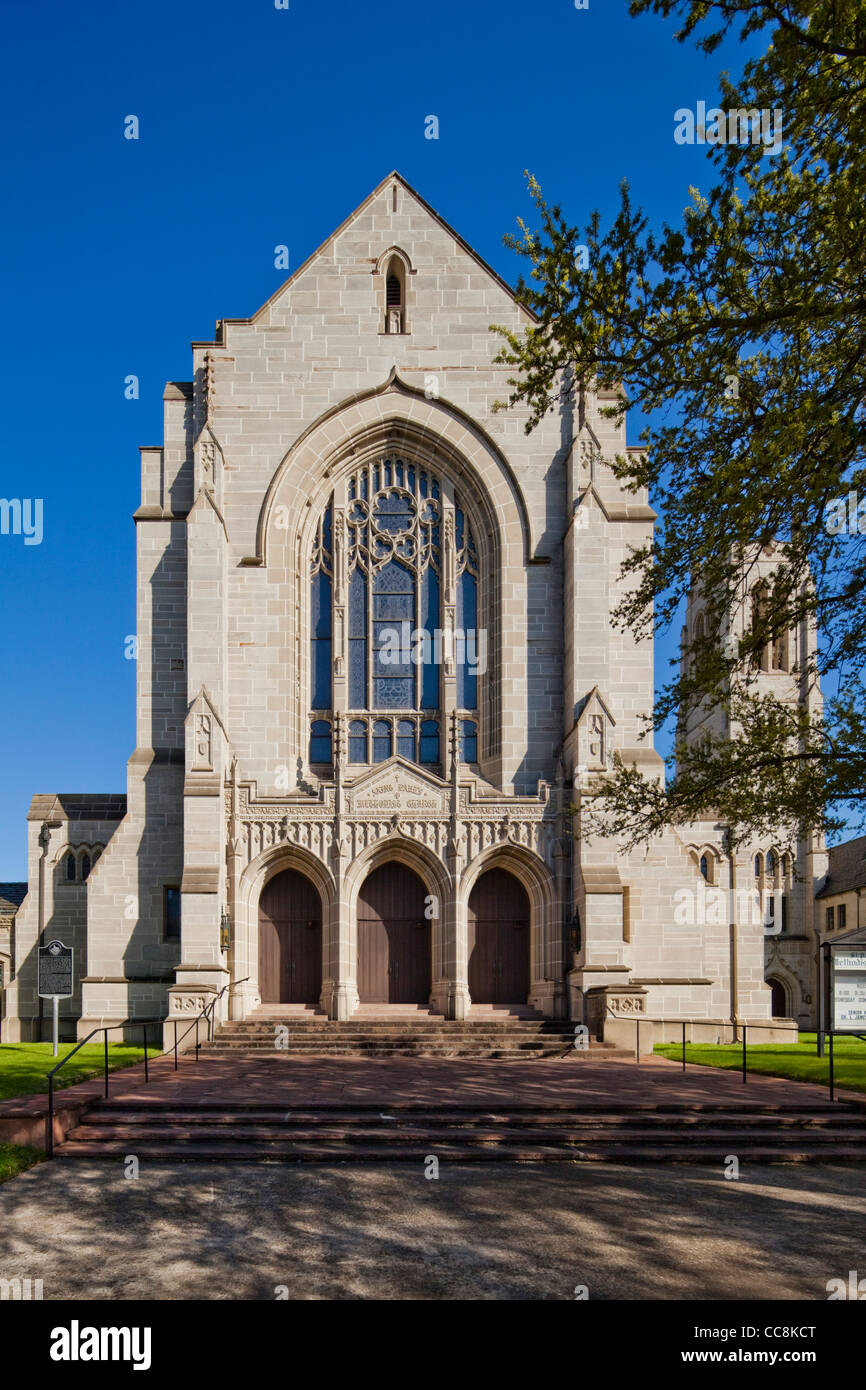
<point>622,1004</point>
<point>595,726</point>
<point>611,1002</point>
<point>184,1002</point>
<point>393,797</point>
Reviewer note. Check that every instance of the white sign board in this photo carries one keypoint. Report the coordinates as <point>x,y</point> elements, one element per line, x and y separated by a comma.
<point>848,990</point>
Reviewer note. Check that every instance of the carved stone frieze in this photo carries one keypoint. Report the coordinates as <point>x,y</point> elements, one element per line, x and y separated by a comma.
<point>394,799</point>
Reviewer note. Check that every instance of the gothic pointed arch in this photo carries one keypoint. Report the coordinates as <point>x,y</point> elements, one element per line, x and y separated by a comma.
<point>316,525</point>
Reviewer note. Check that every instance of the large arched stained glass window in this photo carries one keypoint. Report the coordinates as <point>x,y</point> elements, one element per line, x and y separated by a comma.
<point>396,546</point>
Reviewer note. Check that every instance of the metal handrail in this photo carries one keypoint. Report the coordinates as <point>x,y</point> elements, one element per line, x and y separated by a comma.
<point>143,1023</point>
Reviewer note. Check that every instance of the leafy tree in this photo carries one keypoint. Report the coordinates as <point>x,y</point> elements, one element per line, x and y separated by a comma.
<point>741,334</point>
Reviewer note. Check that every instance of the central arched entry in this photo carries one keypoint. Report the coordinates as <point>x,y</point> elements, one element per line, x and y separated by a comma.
<point>394,945</point>
<point>498,922</point>
<point>290,940</point>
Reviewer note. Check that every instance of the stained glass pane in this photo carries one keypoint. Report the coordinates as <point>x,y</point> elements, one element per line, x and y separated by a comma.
<point>430,622</point>
<point>357,673</point>
<point>467,617</point>
<point>394,692</point>
<point>381,741</point>
<point>429,749</point>
<point>395,607</point>
<point>394,579</point>
<point>392,649</point>
<point>357,604</point>
<point>394,513</point>
<point>406,739</point>
<point>357,741</point>
<point>468,742</point>
<point>320,741</point>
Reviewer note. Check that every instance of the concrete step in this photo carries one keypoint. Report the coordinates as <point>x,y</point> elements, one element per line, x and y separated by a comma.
<point>719,1137</point>
<point>490,1037</point>
<point>684,1132</point>
<point>145,1114</point>
<point>517,1028</point>
<point>343,1151</point>
<point>491,1054</point>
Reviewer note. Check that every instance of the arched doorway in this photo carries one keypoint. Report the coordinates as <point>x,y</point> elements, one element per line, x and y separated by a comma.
<point>498,944</point>
<point>290,940</point>
<point>393,938</point>
<point>779,999</point>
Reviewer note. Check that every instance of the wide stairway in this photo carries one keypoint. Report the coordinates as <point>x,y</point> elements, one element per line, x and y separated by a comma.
<point>404,1031</point>
<point>253,1131</point>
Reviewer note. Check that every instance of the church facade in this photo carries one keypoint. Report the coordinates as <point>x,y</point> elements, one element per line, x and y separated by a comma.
<point>376,679</point>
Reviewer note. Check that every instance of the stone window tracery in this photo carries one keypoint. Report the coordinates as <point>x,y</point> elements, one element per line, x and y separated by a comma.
<point>408,556</point>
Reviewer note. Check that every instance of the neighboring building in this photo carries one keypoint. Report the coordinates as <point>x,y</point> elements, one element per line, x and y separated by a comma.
<point>312,816</point>
<point>841,902</point>
<point>12,896</point>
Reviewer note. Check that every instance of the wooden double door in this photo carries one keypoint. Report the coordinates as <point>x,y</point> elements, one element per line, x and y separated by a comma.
<point>498,930</point>
<point>394,942</point>
<point>290,940</point>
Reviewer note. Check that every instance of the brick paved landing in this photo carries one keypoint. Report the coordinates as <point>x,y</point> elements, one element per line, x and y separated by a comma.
<point>277,1108</point>
<point>575,1081</point>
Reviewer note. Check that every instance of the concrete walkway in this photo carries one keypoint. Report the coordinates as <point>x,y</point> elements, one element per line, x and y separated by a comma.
<point>489,1232</point>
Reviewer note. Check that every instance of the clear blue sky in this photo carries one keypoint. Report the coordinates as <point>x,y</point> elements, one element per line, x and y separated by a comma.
<point>258,127</point>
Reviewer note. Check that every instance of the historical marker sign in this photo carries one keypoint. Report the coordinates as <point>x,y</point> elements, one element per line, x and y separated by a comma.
<point>848,989</point>
<point>55,971</point>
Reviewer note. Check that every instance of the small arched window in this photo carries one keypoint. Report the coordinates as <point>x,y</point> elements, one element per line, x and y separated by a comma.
<point>85,867</point>
<point>320,741</point>
<point>70,868</point>
<point>760,605</point>
<point>759,866</point>
<point>395,296</point>
<point>468,741</point>
<point>771,865</point>
<point>406,739</point>
<point>429,741</point>
<point>357,741</point>
<point>381,740</point>
<point>705,867</point>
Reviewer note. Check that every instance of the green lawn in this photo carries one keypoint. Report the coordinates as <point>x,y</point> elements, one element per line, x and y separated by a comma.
<point>14,1158</point>
<point>24,1067</point>
<point>794,1061</point>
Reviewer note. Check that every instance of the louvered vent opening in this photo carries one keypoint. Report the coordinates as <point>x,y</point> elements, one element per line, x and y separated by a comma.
<point>393,292</point>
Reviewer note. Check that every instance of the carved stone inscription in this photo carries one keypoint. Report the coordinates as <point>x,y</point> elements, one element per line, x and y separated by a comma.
<point>397,793</point>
